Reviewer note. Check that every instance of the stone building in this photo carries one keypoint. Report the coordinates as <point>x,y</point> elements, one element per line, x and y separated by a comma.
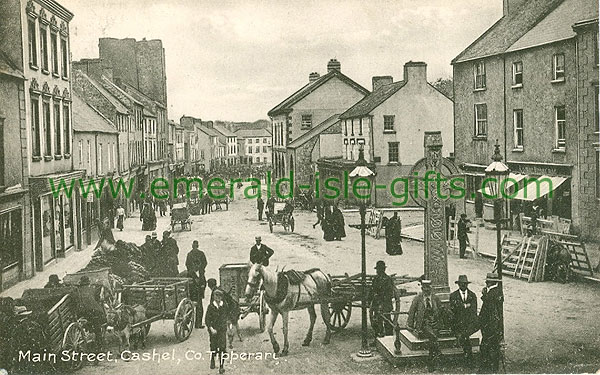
<point>315,102</point>
<point>254,146</point>
<point>529,82</point>
<point>229,139</point>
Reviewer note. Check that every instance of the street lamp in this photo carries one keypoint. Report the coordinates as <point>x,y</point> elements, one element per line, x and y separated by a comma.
<point>362,173</point>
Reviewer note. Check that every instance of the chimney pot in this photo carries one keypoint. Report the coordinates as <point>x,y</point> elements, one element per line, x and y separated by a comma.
<point>333,64</point>
<point>313,77</point>
<point>379,81</point>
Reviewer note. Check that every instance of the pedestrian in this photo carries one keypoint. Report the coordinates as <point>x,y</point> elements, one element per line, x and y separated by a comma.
<point>423,319</point>
<point>450,213</point>
<point>233,311</point>
<point>53,282</point>
<point>393,239</point>
<point>318,203</point>
<point>380,301</point>
<point>260,205</point>
<point>339,230</point>
<point>536,213</point>
<point>463,238</point>
<point>491,325</point>
<point>104,233</point>
<point>148,218</point>
<point>195,264</point>
<point>463,304</point>
<point>147,249</point>
<point>260,253</point>
<point>170,254</point>
<point>162,205</point>
<point>216,321</point>
<point>120,217</point>
<point>327,224</point>
<point>270,207</point>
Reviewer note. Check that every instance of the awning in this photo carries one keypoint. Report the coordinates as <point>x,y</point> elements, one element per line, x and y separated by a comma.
<point>508,185</point>
<point>539,188</point>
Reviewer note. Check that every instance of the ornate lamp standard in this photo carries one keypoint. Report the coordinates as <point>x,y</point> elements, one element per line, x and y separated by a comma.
<point>362,174</point>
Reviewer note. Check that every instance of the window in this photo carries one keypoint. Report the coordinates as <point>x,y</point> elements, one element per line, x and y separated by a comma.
<point>480,120</point>
<point>54,49</point>
<point>265,140</point>
<point>33,60</point>
<point>479,72</point>
<point>1,151</point>
<point>264,149</point>
<point>250,149</point>
<point>258,160</point>
<point>306,121</point>
<point>597,114</point>
<point>596,47</point>
<point>561,127</point>
<point>99,158</point>
<point>598,174</point>
<point>67,128</point>
<point>360,127</point>
<point>80,151</point>
<point>393,152</point>
<point>47,126</point>
<point>11,238</point>
<point>388,123</point>
<point>65,57</point>
<point>44,48</point>
<point>249,140</point>
<point>558,67</point>
<point>57,134</point>
<point>517,74</point>
<point>35,127</point>
<point>257,150</point>
<point>345,127</point>
<point>518,128</point>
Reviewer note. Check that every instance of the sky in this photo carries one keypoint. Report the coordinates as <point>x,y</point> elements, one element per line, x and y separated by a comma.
<point>235,60</point>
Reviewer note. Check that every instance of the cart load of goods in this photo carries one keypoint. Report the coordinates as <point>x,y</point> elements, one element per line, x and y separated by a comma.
<point>126,263</point>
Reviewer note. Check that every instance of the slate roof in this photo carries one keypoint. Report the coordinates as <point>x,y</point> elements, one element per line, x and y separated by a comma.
<point>558,25</point>
<point>224,131</point>
<point>88,119</point>
<point>310,87</point>
<point>314,131</point>
<point>8,67</point>
<point>210,131</point>
<point>118,92</point>
<point>253,133</point>
<point>373,100</point>
<point>110,97</point>
<point>507,30</point>
<point>148,103</point>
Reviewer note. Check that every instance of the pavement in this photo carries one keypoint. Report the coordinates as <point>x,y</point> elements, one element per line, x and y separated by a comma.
<point>550,327</point>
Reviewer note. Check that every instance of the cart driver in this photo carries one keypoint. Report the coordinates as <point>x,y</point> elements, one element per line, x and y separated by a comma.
<point>91,309</point>
<point>260,253</point>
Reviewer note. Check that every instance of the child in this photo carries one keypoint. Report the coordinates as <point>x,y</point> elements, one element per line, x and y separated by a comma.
<point>216,321</point>
<point>233,312</point>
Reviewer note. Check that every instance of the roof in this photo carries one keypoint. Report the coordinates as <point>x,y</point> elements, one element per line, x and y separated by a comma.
<point>210,131</point>
<point>147,112</point>
<point>140,97</point>
<point>7,67</point>
<point>287,104</point>
<point>110,97</point>
<point>314,131</point>
<point>224,131</point>
<point>252,133</point>
<point>373,100</point>
<point>117,91</point>
<point>507,30</point>
<point>88,119</point>
<point>558,25</point>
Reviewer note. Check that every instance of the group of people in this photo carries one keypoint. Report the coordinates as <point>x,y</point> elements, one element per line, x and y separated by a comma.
<point>162,257</point>
<point>331,219</point>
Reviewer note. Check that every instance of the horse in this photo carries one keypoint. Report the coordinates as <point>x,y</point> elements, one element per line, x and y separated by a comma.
<point>120,320</point>
<point>285,292</point>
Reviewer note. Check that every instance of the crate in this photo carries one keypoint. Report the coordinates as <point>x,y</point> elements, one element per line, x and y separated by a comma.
<point>233,279</point>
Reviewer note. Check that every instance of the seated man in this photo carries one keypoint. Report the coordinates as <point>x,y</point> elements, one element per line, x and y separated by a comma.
<point>91,309</point>
<point>423,317</point>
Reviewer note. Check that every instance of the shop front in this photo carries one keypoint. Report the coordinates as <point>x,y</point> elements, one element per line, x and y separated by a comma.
<point>15,249</point>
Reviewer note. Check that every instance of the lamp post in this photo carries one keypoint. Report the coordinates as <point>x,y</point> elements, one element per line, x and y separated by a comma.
<point>496,174</point>
<point>362,173</point>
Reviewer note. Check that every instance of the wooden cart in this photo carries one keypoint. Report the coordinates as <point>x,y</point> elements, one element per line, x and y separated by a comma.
<point>346,292</point>
<point>100,277</point>
<point>280,216</point>
<point>233,278</point>
<point>163,298</point>
<point>180,215</point>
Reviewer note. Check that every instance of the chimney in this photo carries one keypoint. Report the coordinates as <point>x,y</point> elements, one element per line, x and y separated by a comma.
<point>333,64</point>
<point>379,81</point>
<point>415,71</point>
<point>313,77</point>
<point>510,6</point>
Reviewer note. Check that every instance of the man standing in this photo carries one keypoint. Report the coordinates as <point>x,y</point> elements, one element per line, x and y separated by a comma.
<point>463,303</point>
<point>195,264</point>
<point>423,317</point>
<point>53,282</point>
<point>463,238</point>
<point>170,252</point>
<point>260,253</point>
<point>318,203</point>
<point>490,322</point>
<point>216,321</point>
<point>270,206</point>
<point>393,228</point>
<point>120,217</point>
<point>260,205</point>
<point>380,301</point>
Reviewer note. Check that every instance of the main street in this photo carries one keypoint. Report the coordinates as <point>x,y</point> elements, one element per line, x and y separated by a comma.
<point>550,327</point>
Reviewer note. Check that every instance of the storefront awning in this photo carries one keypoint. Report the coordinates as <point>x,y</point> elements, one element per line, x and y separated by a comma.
<point>539,188</point>
<point>508,185</point>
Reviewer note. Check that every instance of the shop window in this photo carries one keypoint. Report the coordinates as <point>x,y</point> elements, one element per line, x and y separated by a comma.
<point>48,249</point>
<point>473,185</point>
<point>11,238</point>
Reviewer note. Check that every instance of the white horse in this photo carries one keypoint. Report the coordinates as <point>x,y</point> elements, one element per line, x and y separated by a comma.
<point>283,296</point>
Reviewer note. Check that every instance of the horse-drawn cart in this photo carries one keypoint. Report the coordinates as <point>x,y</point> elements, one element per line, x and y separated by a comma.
<point>163,298</point>
<point>346,292</point>
<point>281,215</point>
<point>180,215</point>
<point>233,278</point>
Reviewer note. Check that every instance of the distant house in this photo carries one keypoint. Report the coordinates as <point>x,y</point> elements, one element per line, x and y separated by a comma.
<point>229,139</point>
<point>315,102</point>
<point>254,146</point>
<point>390,124</point>
<point>530,82</point>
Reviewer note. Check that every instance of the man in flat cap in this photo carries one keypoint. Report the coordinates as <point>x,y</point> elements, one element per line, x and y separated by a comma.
<point>490,322</point>
<point>423,318</point>
<point>380,301</point>
<point>463,304</point>
<point>260,253</point>
<point>170,253</point>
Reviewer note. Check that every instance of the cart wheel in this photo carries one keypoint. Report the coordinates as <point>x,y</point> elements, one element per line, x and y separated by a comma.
<point>263,310</point>
<point>271,226</point>
<point>339,314</point>
<point>292,224</point>
<point>185,317</point>
<point>73,342</point>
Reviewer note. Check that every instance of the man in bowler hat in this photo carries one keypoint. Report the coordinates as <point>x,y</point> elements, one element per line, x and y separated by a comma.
<point>380,301</point>
<point>423,319</point>
<point>463,304</point>
<point>491,324</point>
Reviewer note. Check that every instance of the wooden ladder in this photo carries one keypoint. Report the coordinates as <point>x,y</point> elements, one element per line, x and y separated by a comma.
<point>580,262</point>
<point>510,247</point>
